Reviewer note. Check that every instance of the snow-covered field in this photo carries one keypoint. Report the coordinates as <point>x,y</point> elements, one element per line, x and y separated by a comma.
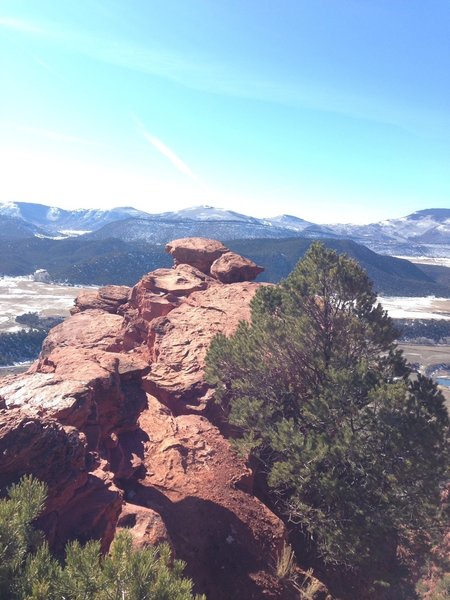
<point>428,260</point>
<point>427,307</point>
<point>20,295</point>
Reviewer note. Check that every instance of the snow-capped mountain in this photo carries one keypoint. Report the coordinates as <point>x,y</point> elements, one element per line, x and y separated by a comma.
<point>289,222</point>
<point>205,213</point>
<point>57,221</point>
<point>207,221</point>
<point>424,232</point>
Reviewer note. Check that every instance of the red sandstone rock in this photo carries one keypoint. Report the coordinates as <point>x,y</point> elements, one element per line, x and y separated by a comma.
<point>232,267</point>
<point>57,455</point>
<point>195,251</point>
<point>89,329</point>
<point>182,280</point>
<point>178,343</point>
<point>179,476</point>
<point>226,536</point>
<point>43,447</point>
<point>108,298</point>
<point>146,525</point>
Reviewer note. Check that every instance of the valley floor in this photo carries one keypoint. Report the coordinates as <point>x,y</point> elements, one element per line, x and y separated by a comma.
<point>426,307</point>
<point>19,295</point>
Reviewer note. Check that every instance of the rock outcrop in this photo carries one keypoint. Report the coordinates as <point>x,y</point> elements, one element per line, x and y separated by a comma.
<point>113,416</point>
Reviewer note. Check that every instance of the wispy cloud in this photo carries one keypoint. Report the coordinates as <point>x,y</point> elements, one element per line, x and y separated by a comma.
<point>212,76</point>
<point>49,134</point>
<point>163,149</point>
<point>19,25</point>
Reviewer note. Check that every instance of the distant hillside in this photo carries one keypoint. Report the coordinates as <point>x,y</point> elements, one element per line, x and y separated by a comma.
<point>162,230</point>
<point>391,276</point>
<point>101,262</point>
<point>13,228</point>
<point>78,261</point>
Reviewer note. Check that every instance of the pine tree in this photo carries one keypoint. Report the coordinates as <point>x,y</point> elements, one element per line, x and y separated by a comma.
<point>17,536</point>
<point>352,447</point>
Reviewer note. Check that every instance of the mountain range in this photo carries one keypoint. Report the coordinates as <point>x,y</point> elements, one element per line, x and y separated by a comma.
<point>422,233</point>
<point>117,246</point>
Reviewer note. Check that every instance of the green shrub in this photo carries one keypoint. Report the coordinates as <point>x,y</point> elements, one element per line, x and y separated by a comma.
<point>28,571</point>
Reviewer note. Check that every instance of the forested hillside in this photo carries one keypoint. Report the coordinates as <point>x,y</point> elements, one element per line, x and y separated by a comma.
<point>112,261</point>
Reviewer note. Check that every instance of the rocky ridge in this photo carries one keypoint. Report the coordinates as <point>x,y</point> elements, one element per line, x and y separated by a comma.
<point>114,417</point>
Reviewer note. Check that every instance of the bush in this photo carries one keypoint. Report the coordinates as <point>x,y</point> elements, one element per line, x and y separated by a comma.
<point>28,571</point>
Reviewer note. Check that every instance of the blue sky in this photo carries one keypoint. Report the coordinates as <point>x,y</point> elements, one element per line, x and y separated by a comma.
<point>332,110</point>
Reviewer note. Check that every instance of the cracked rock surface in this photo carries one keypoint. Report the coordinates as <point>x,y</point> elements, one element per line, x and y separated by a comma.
<point>114,417</point>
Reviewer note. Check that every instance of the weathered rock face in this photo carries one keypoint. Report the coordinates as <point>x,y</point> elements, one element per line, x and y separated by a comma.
<point>213,258</point>
<point>179,341</point>
<point>111,416</point>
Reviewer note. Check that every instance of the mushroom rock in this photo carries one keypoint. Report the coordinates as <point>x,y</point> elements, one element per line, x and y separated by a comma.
<point>232,267</point>
<point>195,251</point>
<point>112,417</point>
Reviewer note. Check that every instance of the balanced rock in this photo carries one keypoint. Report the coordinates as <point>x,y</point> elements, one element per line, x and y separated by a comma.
<point>195,251</point>
<point>232,268</point>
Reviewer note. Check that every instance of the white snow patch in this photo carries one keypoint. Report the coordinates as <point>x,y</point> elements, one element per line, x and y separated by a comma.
<point>20,295</point>
<point>74,232</point>
<point>428,260</point>
<point>427,307</point>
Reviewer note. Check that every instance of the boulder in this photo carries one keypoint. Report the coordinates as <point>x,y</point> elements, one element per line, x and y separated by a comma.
<point>91,329</point>
<point>195,251</point>
<point>232,268</point>
<point>108,298</point>
<point>42,276</point>
<point>146,525</point>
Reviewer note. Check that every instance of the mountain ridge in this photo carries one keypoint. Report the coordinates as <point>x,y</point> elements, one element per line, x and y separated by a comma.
<point>422,233</point>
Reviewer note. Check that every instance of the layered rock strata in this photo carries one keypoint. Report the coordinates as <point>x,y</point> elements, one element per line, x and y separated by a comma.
<point>113,417</point>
